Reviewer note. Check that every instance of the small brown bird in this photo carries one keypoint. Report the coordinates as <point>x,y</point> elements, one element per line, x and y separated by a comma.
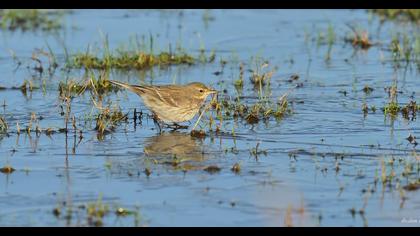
<point>171,103</point>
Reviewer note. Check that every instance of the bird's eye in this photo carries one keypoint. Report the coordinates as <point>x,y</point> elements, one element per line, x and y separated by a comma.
<point>201,91</point>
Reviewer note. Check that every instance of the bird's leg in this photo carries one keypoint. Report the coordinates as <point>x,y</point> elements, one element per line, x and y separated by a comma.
<point>182,126</point>
<point>157,122</point>
<point>159,127</point>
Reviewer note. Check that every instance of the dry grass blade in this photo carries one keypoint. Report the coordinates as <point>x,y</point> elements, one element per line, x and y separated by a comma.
<point>3,125</point>
<point>206,108</point>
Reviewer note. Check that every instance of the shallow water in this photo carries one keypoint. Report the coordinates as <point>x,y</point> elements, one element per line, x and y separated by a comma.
<point>296,181</point>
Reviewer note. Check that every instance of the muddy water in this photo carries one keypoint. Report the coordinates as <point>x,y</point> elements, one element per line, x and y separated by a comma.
<point>321,165</point>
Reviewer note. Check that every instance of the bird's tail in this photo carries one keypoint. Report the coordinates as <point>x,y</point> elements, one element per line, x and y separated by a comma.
<point>134,88</point>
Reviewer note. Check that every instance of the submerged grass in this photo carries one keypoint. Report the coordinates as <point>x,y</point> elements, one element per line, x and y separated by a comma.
<point>97,85</point>
<point>239,83</point>
<point>130,60</point>
<point>405,48</point>
<point>140,56</point>
<point>260,76</point>
<point>30,19</point>
<point>107,120</point>
<point>398,14</point>
<point>359,38</point>
<point>227,107</point>
<point>408,111</point>
<point>392,108</point>
<point>326,38</point>
<point>399,173</point>
<point>263,111</point>
<point>94,213</point>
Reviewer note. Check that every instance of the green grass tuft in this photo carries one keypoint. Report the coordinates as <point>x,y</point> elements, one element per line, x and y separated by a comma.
<point>30,19</point>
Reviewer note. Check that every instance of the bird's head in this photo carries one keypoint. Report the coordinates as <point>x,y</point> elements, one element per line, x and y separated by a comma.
<point>201,91</point>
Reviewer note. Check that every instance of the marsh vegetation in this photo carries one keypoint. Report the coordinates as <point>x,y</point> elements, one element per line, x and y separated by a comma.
<point>318,127</point>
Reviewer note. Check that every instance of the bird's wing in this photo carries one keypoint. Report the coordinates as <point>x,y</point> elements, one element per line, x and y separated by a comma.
<point>168,94</point>
<point>134,88</point>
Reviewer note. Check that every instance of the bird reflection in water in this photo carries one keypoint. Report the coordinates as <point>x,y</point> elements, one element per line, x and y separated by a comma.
<point>180,150</point>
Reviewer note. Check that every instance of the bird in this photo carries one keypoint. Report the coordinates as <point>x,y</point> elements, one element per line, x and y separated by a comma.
<point>171,103</point>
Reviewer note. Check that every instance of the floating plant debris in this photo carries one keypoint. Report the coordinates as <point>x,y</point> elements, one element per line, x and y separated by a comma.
<point>367,89</point>
<point>212,169</point>
<point>412,186</point>
<point>7,169</point>
<point>236,168</point>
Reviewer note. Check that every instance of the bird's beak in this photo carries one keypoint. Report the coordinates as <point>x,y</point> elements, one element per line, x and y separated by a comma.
<point>212,91</point>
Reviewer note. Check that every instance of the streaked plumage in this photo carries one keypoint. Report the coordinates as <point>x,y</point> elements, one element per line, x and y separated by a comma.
<point>171,103</point>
